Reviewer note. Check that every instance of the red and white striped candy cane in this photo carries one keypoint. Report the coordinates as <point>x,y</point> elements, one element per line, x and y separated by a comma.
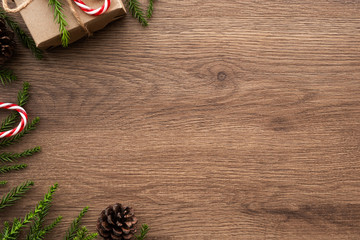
<point>22,124</point>
<point>92,11</point>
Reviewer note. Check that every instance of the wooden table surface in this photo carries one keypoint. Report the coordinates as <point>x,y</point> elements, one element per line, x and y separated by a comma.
<point>221,120</point>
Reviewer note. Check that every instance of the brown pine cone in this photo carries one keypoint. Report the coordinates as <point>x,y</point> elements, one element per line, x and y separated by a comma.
<point>117,222</point>
<point>7,43</point>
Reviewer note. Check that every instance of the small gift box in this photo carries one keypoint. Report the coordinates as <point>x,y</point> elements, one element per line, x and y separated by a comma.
<point>39,18</point>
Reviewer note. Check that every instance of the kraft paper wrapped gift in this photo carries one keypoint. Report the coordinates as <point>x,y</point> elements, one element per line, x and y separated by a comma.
<point>39,18</point>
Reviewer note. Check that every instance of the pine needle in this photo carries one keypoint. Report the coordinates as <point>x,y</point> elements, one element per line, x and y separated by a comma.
<point>143,231</point>
<point>23,95</point>
<point>36,230</point>
<point>91,236</point>
<point>53,224</point>
<point>22,98</point>
<point>83,234</point>
<point>150,9</point>
<point>15,194</point>
<point>59,18</point>
<point>11,157</point>
<point>75,225</point>
<point>6,169</point>
<point>136,11</point>
<point>7,76</point>
<point>25,39</point>
<point>13,232</point>
<point>17,137</point>
<point>3,182</point>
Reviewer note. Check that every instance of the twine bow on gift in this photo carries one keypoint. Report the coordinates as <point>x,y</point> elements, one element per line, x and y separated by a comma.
<point>80,3</point>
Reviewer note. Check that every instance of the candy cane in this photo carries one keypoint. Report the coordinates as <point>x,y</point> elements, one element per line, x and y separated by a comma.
<point>92,11</point>
<point>22,124</point>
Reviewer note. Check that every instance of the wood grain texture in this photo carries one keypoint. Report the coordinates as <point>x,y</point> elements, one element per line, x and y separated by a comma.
<point>221,120</point>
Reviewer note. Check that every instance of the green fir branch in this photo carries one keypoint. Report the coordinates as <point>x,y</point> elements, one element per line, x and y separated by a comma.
<point>6,169</point>
<point>150,9</point>
<point>22,99</point>
<point>23,95</point>
<point>36,232</point>
<point>7,76</point>
<point>59,18</point>
<point>17,137</point>
<point>3,182</point>
<point>83,234</point>
<point>11,157</point>
<point>75,225</point>
<point>13,232</point>
<point>91,236</point>
<point>25,39</point>
<point>143,231</point>
<point>5,230</point>
<point>53,224</point>
<point>136,11</point>
<point>15,194</point>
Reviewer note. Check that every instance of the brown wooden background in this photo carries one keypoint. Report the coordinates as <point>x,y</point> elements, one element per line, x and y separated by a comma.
<point>221,120</point>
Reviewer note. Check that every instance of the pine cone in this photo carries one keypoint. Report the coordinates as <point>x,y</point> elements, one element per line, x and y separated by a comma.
<point>7,43</point>
<point>117,222</point>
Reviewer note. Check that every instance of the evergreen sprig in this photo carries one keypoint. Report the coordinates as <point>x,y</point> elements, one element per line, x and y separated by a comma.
<point>59,18</point>
<point>136,11</point>
<point>12,233</point>
<point>150,9</point>
<point>37,231</point>
<point>7,76</point>
<point>23,95</point>
<point>143,231</point>
<point>15,194</point>
<point>25,39</point>
<point>22,99</point>
<point>6,169</point>
<point>17,137</point>
<point>83,234</point>
<point>11,157</point>
<point>75,225</point>
<point>53,224</point>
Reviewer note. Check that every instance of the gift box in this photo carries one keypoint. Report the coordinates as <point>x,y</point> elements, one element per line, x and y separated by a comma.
<point>39,18</point>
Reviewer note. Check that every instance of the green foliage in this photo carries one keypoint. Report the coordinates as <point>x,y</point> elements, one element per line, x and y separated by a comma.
<point>36,217</point>
<point>37,230</point>
<point>75,232</point>
<point>53,224</point>
<point>150,9</point>
<point>59,18</point>
<point>75,225</point>
<point>6,169</point>
<point>136,11</point>
<point>23,95</point>
<point>7,76</point>
<point>11,157</point>
<point>15,194</point>
<point>22,98</point>
<point>17,137</point>
<point>7,124</point>
<point>143,231</point>
<point>12,233</point>
<point>83,234</point>
<point>25,39</point>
